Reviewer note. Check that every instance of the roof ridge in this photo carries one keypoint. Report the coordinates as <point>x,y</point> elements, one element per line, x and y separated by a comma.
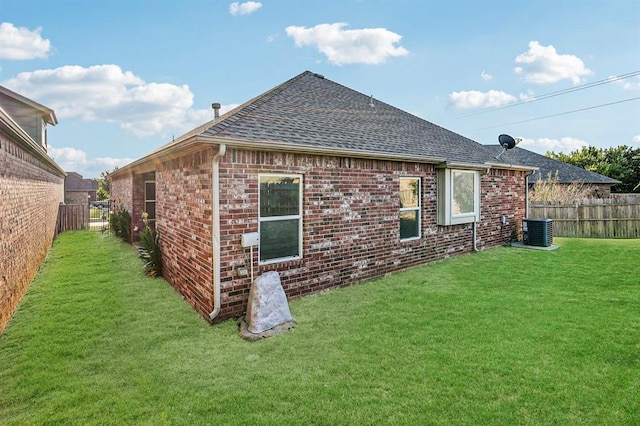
<point>241,111</point>
<point>227,116</point>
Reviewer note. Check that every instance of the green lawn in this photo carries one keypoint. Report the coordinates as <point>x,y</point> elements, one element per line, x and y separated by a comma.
<point>505,336</point>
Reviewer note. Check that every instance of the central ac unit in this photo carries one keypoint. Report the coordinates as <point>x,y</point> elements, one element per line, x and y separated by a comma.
<point>537,232</point>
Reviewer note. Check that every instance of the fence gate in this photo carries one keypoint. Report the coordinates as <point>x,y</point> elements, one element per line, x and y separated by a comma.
<point>94,216</point>
<point>72,217</point>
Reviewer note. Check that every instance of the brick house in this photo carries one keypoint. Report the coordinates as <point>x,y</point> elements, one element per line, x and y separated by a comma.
<point>339,187</point>
<point>78,190</point>
<point>31,188</point>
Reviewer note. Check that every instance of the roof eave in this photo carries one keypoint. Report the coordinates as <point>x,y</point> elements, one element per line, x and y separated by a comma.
<point>48,115</point>
<point>320,150</point>
<point>173,150</point>
<point>28,143</point>
<point>513,166</point>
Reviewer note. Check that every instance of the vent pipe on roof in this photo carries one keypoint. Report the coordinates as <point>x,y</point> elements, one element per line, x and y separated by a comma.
<point>216,109</point>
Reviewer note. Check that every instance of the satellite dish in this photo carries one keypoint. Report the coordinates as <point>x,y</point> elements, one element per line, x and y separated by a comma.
<point>507,142</point>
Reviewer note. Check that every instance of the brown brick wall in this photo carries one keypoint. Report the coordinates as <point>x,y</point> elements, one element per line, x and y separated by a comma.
<point>30,193</point>
<point>183,211</point>
<point>128,191</point>
<point>350,222</point>
<point>77,197</point>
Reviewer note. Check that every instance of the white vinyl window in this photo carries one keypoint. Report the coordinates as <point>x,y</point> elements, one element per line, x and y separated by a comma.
<point>280,218</point>
<point>458,196</point>
<point>410,206</point>
<point>150,199</point>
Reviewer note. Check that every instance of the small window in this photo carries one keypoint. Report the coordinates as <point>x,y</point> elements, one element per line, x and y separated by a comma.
<point>458,196</point>
<point>150,199</point>
<point>463,193</point>
<point>409,208</point>
<point>280,218</point>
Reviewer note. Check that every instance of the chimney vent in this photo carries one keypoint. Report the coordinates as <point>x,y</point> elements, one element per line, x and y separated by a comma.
<point>216,109</point>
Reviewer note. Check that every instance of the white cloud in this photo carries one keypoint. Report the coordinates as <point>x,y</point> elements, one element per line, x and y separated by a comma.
<point>486,76</point>
<point>340,46</point>
<point>529,96</point>
<point>625,84</point>
<point>19,43</point>
<point>543,145</point>
<point>106,93</point>
<point>543,65</point>
<point>76,160</point>
<point>246,8</point>
<point>476,99</point>
<point>636,139</point>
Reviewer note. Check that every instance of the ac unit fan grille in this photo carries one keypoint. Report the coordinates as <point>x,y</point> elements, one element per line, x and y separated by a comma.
<point>537,232</point>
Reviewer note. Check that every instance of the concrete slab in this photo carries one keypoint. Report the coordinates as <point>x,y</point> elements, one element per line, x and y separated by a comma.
<point>519,244</point>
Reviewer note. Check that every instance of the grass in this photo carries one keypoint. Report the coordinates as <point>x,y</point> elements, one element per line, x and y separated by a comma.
<point>505,336</point>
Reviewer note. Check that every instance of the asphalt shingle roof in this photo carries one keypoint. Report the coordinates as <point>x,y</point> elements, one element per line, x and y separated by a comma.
<point>566,173</point>
<point>312,111</point>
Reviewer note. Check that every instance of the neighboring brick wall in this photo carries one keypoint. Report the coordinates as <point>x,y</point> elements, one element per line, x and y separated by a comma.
<point>77,197</point>
<point>30,193</point>
<point>350,221</point>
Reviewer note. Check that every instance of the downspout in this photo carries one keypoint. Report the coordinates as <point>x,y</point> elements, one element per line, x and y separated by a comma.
<point>526,192</point>
<point>215,227</point>
<point>474,229</point>
<point>475,243</point>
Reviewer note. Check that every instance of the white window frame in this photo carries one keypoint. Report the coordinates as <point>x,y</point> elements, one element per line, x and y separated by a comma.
<point>417,209</point>
<point>155,188</point>
<point>281,218</point>
<point>446,196</point>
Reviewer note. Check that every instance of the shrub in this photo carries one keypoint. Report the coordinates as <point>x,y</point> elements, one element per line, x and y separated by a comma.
<point>551,190</point>
<point>120,222</point>
<point>149,249</point>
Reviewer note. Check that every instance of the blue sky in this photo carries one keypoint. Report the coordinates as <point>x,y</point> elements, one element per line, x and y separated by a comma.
<point>126,76</point>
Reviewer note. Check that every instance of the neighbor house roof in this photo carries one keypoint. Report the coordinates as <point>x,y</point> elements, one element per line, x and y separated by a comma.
<point>312,114</point>
<point>564,172</point>
<point>75,182</point>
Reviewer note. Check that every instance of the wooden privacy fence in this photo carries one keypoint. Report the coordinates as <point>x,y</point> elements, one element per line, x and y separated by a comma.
<point>71,217</point>
<point>616,217</point>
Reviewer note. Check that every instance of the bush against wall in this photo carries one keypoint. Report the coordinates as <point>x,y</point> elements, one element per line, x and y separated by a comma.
<point>120,221</point>
<point>149,249</point>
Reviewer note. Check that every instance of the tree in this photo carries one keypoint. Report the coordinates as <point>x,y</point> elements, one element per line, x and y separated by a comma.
<point>621,163</point>
<point>104,184</point>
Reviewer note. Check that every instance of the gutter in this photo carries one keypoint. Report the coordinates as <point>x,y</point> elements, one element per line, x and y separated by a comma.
<point>215,227</point>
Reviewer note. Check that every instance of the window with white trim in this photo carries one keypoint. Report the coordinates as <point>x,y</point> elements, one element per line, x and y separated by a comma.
<point>150,199</point>
<point>458,196</point>
<point>280,217</point>
<point>410,207</point>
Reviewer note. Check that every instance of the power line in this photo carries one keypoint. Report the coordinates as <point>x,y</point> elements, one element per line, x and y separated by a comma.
<point>556,115</point>
<point>549,95</point>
